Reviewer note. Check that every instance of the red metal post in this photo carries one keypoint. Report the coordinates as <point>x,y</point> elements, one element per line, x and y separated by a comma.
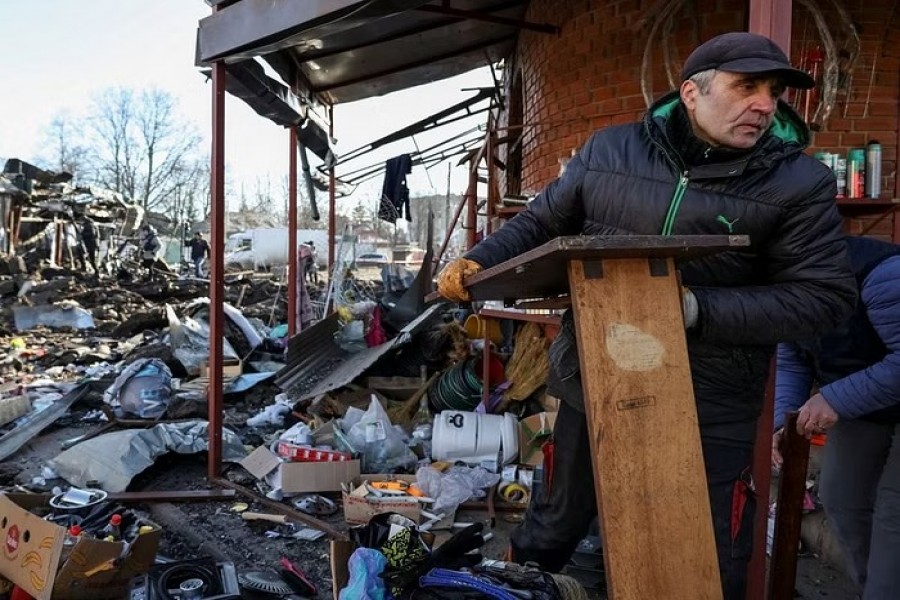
<point>491,181</point>
<point>59,243</point>
<point>216,270</point>
<point>771,18</point>
<point>332,220</point>
<point>293,265</point>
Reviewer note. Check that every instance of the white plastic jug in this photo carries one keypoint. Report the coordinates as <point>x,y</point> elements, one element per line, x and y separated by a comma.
<point>474,438</point>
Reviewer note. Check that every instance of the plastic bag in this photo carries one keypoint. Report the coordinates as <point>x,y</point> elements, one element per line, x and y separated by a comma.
<point>383,446</point>
<point>455,486</point>
<point>365,583</point>
<point>143,388</point>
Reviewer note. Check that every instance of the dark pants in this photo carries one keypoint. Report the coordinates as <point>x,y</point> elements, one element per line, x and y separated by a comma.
<point>90,256</point>
<point>198,266</point>
<point>860,488</point>
<point>559,519</point>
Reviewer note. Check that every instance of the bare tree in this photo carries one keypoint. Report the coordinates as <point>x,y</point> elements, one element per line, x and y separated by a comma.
<point>63,145</point>
<point>141,147</point>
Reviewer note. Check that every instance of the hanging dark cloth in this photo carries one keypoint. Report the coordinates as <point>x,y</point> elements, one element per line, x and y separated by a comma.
<point>394,193</point>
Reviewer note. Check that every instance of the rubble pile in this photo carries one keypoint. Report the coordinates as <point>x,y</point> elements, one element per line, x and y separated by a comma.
<point>388,427</point>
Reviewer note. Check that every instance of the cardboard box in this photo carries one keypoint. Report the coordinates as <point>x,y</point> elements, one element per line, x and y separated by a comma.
<point>296,453</point>
<point>299,477</point>
<point>358,510</point>
<point>339,555</point>
<point>533,432</point>
<point>231,367</point>
<point>32,548</point>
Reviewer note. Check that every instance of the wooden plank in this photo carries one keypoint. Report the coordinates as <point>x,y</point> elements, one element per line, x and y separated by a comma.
<point>792,488</point>
<point>648,466</point>
<point>150,496</point>
<point>541,272</point>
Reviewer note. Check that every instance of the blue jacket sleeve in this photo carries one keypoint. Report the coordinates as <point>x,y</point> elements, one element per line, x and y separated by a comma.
<point>877,386</point>
<point>793,382</point>
<point>557,210</point>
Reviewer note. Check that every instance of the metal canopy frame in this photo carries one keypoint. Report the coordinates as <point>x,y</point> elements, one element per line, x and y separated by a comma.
<point>290,36</point>
<point>345,50</point>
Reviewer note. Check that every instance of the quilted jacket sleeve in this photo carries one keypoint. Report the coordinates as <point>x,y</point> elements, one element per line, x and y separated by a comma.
<point>811,287</point>
<point>877,386</point>
<point>793,382</point>
<point>557,210</point>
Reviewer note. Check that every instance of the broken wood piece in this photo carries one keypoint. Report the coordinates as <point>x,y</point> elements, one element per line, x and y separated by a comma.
<point>172,496</point>
<point>255,516</point>
<point>789,515</point>
<point>295,515</point>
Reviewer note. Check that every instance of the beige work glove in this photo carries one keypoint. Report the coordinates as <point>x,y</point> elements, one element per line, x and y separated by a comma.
<point>450,281</point>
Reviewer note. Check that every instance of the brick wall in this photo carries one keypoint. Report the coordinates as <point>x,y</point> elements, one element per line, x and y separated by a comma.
<point>590,75</point>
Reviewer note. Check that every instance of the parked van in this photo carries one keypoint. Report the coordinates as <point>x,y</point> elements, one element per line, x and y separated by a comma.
<point>267,247</point>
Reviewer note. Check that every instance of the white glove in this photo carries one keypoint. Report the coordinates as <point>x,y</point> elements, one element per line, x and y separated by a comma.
<point>690,306</point>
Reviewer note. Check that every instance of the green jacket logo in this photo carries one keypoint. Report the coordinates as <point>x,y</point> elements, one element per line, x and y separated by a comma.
<point>729,224</point>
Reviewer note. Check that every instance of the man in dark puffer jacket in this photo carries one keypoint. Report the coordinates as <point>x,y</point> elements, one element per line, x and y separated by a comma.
<point>721,156</point>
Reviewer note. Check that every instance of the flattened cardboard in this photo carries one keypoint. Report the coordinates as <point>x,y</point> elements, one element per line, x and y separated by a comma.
<point>261,462</point>
<point>94,569</point>
<point>231,367</point>
<point>341,550</point>
<point>533,432</point>
<point>296,477</point>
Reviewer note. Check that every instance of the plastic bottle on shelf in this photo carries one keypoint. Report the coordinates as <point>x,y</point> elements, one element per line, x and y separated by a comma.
<point>856,173</point>
<point>840,174</point>
<point>873,169</point>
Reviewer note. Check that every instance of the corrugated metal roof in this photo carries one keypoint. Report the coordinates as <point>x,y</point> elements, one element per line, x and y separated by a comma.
<point>314,350</point>
<point>346,50</point>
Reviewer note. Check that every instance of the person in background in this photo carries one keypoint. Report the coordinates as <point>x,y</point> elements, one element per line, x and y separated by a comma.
<point>722,155</point>
<point>150,248</point>
<point>312,264</point>
<point>855,372</point>
<point>199,252</point>
<point>90,235</point>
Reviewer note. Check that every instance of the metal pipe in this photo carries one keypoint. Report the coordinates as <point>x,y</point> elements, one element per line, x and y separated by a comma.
<point>451,225</point>
<point>293,255</point>
<point>332,221</point>
<point>216,270</point>
<point>472,208</point>
<point>491,175</point>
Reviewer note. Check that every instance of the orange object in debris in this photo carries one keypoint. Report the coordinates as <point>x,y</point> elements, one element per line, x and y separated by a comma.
<point>399,486</point>
<point>413,490</point>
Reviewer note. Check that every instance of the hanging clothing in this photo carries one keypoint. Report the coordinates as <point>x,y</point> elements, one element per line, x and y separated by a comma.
<point>394,192</point>
<point>304,306</point>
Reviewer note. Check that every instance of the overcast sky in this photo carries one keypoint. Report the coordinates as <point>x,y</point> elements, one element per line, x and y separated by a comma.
<point>55,55</point>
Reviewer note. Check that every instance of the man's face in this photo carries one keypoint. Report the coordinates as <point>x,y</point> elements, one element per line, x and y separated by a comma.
<point>736,110</point>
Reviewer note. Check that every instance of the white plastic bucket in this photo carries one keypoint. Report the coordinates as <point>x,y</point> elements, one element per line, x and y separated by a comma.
<point>474,438</point>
